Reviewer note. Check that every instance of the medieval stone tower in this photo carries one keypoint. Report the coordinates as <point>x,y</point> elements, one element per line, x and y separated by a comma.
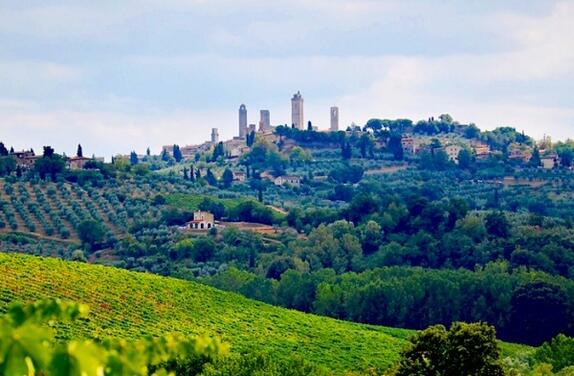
<point>265,121</point>
<point>214,136</point>
<point>297,118</point>
<point>242,121</point>
<point>334,119</point>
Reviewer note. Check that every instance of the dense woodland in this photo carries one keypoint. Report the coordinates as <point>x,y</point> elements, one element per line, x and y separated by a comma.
<point>372,234</point>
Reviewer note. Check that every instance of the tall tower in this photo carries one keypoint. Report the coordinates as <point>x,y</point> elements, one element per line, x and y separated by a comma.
<point>214,136</point>
<point>265,121</point>
<point>242,121</point>
<point>297,118</point>
<point>334,119</point>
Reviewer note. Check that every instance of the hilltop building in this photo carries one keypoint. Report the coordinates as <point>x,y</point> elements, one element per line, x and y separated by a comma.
<point>481,149</point>
<point>242,121</point>
<point>265,121</point>
<point>297,117</point>
<point>78,163</point>
<point>452,151</point>
<point>25,159</point>
<point>235,148</point>
<point>214,136</point>
<point>334,119</point>
<point>239,176</point>
<point>519,152</point>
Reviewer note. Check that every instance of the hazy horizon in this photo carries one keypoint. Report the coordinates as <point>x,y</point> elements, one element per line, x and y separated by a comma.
<point>123,76</point>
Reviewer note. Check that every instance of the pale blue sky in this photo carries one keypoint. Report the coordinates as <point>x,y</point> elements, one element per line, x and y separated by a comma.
<point>122,75</point>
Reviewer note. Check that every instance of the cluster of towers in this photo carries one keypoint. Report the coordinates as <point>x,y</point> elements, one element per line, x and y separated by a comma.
<point>297,118</point>
<point>264,122</point>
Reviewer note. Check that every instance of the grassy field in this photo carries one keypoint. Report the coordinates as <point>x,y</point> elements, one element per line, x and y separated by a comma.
<point>130,305</point>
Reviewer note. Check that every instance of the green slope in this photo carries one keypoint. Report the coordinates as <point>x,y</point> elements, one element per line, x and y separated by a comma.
<point>130,305</point>
<point>127,304</point>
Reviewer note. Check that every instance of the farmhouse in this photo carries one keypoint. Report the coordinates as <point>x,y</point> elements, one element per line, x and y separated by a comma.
<point>288,179</point>
<point>453,151</point>
<point>481,150</point>
<point>549,161</point>
<point>78,163</point>
<point>519,152</point>
<point>239,176</point>
<point>25,159</point>
<point>202,221</point>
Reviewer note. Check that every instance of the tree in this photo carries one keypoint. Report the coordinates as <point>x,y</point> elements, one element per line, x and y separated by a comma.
<point>203,249</point>
<point>465,349</point>
<point>217,208</point>
<point>7,165</point>
<point>48,151</point>
<point>191,173</point>
<point>559,352</point>
<point>539,312</point>
<point>497,224</point>
<point>3,150</point>
<point>366,145</point>
<point>465,159</point>
<point>346,151</point>
<point>79,152</point>
<point>395,146</point>
<point>437,160</point>
<point>566,156</point>
<point>185,173</point>
<point>279,266</point>
<point>309,126</point>
<point>148,151</point>
<point>535,158</point>
<point>347,174</point>
<point>227,178</point>
<point>471,131</point>
<point>446,118</point>
<point>211,179</point>
<point>177,153</point>
<point>250,139</point>
<point>133,158</point>
<point>164,155</point>
<point>91,232</point>
<point>218,151</point>
<point>50,164</point>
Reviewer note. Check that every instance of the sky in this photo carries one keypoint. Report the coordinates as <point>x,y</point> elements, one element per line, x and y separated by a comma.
<point>118,76</point>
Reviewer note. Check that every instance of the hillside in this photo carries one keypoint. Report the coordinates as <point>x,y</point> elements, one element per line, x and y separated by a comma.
<point>130,305</point>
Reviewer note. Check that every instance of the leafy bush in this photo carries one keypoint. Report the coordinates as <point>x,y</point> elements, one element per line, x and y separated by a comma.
<point>559,352</point>
<point>28,346</point>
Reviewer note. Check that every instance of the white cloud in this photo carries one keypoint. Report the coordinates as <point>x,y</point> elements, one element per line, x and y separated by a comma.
<point>102,133</point>
<point>145,72</point>
<point>29,74</point>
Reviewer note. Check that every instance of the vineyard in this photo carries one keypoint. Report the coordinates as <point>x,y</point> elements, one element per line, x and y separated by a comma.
<point>131,305</point>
